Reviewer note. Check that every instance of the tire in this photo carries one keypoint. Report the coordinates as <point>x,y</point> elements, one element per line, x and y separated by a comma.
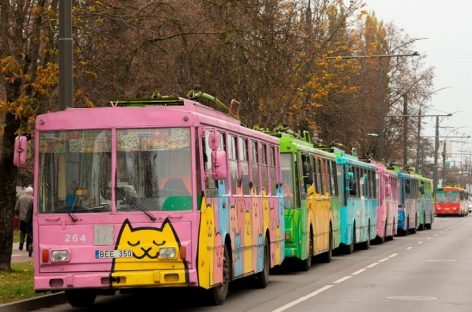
<point>81,298</point>
<point>422,226</point>
<point>262,278</point>
<point>350,248</point>
<point>413,230</point>
<point>407,231</point>
<point>327,256</point>
<point>218,294</point>
<point>366,244</point>
<point>381,239</point>
<point>306,264</point>
<point>393,231</point>
<point>430,225</point>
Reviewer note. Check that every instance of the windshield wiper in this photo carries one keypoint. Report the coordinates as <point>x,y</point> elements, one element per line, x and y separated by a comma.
<point>69,212</point>
<point>134,202</point>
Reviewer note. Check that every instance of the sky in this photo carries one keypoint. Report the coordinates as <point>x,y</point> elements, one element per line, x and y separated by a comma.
<point>447,25</point>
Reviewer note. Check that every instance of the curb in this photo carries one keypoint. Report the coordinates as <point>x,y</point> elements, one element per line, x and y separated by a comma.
<point>34,303</point>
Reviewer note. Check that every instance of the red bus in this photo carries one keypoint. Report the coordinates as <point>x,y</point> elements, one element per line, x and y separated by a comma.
<point>451,201</point>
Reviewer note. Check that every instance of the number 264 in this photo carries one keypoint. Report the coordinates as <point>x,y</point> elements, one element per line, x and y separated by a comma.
<point>74,238</point>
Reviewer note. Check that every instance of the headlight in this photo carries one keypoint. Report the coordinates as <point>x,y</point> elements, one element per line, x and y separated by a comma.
<point>167,253</point>
<point>59,255</point>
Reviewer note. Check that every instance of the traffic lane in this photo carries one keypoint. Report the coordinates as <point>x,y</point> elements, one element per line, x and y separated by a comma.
<point>284,288</point>
<point>432,273</point>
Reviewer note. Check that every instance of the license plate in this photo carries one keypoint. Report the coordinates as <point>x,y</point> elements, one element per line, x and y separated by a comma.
<point>103,254</point>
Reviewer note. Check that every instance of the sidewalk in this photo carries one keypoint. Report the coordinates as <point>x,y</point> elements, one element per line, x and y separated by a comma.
<point>19,255</point>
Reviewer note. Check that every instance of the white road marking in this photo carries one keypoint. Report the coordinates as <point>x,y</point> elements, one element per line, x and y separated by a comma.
<point>393,255</point>
<point>342,279</point>
<point>428,237</point>
<point>372,265</point>
<point>358,272</point>
<point>383,260</point>
<point>301,299</point>
<point>409,248</point>
<point>420,242</point>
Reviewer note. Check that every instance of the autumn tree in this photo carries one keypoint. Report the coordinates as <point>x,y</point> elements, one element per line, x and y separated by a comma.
<point>278,58</point>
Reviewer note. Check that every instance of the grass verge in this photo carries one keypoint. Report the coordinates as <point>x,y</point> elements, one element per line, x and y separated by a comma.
<point>17,284</point>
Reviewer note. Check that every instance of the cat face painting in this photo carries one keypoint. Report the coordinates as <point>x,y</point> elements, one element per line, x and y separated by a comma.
<point>145,244</point>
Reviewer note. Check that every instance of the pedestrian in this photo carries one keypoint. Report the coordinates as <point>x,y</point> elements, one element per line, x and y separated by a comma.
<point>23,208</point>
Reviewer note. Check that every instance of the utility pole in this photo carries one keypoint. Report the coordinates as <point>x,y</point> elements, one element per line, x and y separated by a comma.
<point>435,165</point>
<point>418,143</point>
<point>66,82</point>
<point>405,130</point>
<point>436,143</point>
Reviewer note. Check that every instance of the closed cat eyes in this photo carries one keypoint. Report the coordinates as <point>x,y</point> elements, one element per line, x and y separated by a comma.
<point>158,244</point>
<point>134,244</point>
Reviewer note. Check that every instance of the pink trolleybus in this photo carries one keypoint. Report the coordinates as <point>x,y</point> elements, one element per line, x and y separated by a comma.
<point>153,193</point>
<point>388,200</point>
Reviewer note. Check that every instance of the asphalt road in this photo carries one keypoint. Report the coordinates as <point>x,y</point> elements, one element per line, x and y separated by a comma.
<point>429,271</point>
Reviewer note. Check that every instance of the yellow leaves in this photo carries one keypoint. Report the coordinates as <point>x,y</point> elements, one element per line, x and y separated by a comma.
<point>36,11</point>
<point>10,69</point>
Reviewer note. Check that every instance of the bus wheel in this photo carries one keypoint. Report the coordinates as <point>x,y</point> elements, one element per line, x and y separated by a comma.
<point>394,230</point>
<point>80,297</point>
<point>407,230</point>
<point>262,278</point>
<point>429,225</point>
<point>350,248</point>
<point>413,230</point>
<point>327,256</point>
<point>366,244</point>
<point>423,225</point>
<point>306,264</point>
<point>219,293</point>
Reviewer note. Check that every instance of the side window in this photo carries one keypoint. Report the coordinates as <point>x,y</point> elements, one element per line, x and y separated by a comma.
<point>272,171</point>
<point>255,167</point>
<point>264,173</point>
<point>322,173</point>
<point>233,163</point>
<point>307,172</point>
<point>244,164</point>
<point>352,178</point>
<point>334,179</point>
<point>407,186</point>
<point>209,182</point>
<point>315,174</point>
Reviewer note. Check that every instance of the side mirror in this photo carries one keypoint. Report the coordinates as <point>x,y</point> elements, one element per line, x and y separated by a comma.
<point>218,165</point>
<point>214,140</point>
<point>19,152</point>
